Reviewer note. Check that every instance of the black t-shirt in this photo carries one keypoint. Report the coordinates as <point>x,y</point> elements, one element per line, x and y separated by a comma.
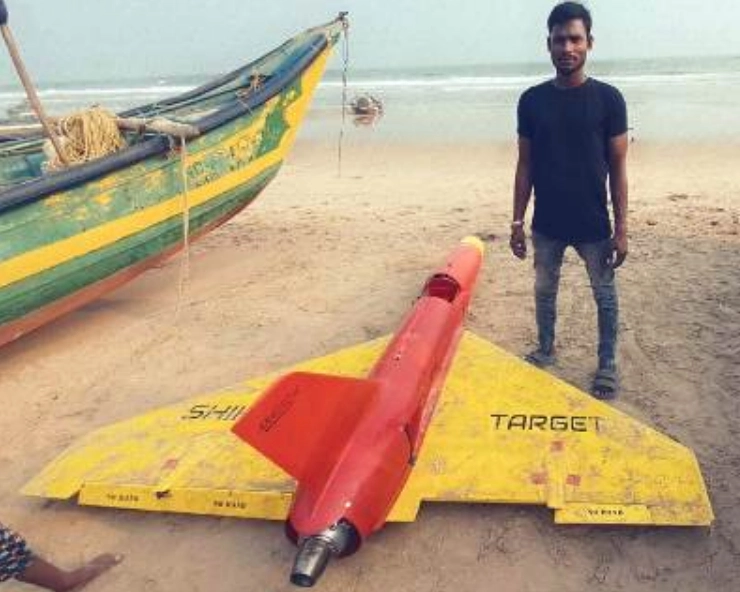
<point>569,132</point>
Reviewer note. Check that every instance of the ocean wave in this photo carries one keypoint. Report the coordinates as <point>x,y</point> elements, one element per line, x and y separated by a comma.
<point>98,92</point>
<point>454,83</point>
<point>457,81</point>
<point>684,78</point>
<point>461,83</point>
<point>75,93</point>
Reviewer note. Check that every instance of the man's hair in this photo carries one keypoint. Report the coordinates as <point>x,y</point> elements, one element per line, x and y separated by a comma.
<point>569,11</point>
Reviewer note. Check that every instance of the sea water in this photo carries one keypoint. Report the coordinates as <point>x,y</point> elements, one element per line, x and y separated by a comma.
<point>668,99</point>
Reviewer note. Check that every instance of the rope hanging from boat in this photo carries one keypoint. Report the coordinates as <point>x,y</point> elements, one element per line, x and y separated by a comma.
<point>345,66</point>
<point>185,260</point>
<point>84,136</point>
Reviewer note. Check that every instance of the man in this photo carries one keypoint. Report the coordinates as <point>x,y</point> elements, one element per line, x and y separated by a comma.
<point>17,561</point>
<point>572,137</point>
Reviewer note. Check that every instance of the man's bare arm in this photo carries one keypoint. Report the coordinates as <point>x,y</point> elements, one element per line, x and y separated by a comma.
<point>522,193</point>
<point>618,190</point>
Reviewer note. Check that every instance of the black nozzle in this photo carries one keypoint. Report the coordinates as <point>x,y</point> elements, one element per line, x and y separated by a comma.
<point>310,562</point>
<point>314,551</point>
<point>3,13</point>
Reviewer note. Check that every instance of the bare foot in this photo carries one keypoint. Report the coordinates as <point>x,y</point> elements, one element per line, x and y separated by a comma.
<point>78,578</point>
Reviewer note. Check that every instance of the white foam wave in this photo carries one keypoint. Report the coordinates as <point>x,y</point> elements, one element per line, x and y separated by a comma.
<point>103,92</point>
<point>461,83</point>
<point>77,93</point>
<point>452,81</point>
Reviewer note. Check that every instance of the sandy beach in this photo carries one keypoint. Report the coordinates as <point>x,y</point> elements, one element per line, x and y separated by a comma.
<point>321,262</point>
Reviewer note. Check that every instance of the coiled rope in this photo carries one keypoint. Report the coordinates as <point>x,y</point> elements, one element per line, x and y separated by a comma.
<point>84,136</point>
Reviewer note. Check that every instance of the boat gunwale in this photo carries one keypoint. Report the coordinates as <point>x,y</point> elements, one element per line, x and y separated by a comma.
<point>39,188</point>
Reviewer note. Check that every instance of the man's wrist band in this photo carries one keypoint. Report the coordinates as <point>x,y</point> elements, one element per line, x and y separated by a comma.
<point>517,224</point>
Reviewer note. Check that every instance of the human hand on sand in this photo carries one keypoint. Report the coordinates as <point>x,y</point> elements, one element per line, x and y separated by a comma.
<point>518,242</point>
<point>47,575</point>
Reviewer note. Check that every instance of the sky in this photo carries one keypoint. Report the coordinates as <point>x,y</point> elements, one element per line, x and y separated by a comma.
<point>77,40</point>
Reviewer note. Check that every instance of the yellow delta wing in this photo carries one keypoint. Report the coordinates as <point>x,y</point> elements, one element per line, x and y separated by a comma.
<point>504,432</point>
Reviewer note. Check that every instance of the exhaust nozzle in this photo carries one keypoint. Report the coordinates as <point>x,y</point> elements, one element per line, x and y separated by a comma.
<point>310,561</point>
<point>315,551</point>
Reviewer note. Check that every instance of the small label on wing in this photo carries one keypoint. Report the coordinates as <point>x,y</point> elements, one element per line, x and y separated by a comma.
<point>278,410</point>
<point>603,514</point>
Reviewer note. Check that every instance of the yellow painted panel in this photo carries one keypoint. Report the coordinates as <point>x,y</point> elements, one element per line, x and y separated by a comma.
<point>269,505</point>
<point>504,432</point>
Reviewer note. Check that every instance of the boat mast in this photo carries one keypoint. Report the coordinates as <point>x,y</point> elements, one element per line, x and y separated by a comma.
<point>33,98</point>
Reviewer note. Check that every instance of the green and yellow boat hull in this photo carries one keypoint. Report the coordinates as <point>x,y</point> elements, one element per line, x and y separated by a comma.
<point>67,238</point>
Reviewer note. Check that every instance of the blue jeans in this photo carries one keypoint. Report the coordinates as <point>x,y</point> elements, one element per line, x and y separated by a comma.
<point>548,259</point>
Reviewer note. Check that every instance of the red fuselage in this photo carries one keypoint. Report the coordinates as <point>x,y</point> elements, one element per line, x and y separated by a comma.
<point>371,470</point>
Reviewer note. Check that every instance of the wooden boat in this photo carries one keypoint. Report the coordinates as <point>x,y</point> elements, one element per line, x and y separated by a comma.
<point>69,236</point>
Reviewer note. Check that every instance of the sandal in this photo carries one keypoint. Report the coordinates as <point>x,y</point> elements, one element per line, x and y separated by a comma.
<point>539,358</point>
<point>605,386</point>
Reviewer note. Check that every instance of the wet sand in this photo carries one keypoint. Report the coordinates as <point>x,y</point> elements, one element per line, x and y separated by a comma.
<point>321,262</point>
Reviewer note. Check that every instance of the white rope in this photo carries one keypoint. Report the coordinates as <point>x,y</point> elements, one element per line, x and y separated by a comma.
<point>184,274</point>
<point>345,65</point>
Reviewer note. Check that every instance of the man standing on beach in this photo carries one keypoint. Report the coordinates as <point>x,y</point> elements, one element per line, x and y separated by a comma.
<point>572,137</point>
